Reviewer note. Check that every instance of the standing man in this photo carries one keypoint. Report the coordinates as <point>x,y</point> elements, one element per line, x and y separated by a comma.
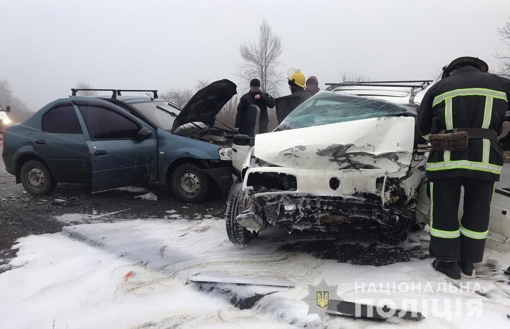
<point>462,116</point>
<point>312,85</point>
<point>297,85</point>
<point>255,97</point>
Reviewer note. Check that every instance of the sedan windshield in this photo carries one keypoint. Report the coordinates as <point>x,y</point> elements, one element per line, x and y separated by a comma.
<point>328,108</point>
<point>160,112</point>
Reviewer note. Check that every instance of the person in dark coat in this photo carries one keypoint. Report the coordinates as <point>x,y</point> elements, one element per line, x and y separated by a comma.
<point>312,85</point>
<point>474,103</point>
<point>255,97</point>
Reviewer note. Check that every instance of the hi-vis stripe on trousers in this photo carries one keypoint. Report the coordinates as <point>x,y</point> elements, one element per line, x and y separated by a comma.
<point>450,239</point>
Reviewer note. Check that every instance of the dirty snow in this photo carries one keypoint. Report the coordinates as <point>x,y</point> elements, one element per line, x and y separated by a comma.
<point>133,189</point>
<point>77,279</point>
<point>77,218</point>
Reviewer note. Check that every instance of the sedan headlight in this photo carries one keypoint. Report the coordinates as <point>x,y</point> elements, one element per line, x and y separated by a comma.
<point>225,153</point>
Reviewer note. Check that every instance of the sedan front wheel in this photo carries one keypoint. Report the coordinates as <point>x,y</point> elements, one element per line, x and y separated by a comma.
<point>189,183</point>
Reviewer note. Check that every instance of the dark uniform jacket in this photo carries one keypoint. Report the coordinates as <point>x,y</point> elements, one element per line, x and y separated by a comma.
<point>263,103</point>
<point>467,99</point>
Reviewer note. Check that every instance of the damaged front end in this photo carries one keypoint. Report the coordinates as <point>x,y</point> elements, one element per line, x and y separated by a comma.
<point>360,174</point>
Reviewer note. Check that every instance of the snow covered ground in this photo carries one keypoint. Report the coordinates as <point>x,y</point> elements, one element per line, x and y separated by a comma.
<point>135,274</point>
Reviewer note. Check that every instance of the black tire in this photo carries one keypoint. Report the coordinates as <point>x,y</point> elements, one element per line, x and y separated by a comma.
<point>189,183</point>
<point>236,233</point>
<point>36,178</point>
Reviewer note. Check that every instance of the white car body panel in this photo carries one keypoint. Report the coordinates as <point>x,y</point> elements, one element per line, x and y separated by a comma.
<point>382,143</point>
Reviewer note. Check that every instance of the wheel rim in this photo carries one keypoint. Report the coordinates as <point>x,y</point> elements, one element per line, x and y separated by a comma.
<point>35,178</point>
<point>190,185</point>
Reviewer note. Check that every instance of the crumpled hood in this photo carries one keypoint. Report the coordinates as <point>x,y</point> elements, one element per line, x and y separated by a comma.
<point>376,143</point>
<point>206,103</point>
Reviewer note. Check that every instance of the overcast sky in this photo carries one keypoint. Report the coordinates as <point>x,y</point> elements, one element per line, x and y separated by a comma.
<point>48,46</point>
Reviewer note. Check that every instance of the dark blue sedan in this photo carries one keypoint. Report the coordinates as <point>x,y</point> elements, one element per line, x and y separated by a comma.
<point>119,141</point>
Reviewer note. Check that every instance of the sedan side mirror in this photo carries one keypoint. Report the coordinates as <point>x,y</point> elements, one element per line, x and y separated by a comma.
<point>243,140</point>
<point>143,134</point>
<point>7,109</point>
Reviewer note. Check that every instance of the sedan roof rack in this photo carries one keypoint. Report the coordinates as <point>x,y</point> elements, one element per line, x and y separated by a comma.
<point>116,92</point>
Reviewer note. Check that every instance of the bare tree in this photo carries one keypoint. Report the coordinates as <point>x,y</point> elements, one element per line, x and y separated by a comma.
<point>347,76</point>
<point>260,60</point>
<point>19,110</point>
<point>504,33</point>
<point>182,96</point>
<point>85,85</point>
<point>178,96</point>
<point>227,116</point>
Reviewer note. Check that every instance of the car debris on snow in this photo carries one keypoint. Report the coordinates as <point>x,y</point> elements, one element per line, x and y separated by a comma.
<point>149,197</point>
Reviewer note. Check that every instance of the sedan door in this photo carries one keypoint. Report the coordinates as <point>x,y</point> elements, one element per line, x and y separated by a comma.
<point>123,148</point>
<point>62,145</point>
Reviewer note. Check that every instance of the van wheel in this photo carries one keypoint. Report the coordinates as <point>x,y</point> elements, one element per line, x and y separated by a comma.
<point>189,184</point>
<point>236,233</point>
<point>36,178</point>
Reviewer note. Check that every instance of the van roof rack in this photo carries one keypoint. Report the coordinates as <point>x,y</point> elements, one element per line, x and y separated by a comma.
<point>117,92</point>
<point>415,85</point>
<point>387,83</point>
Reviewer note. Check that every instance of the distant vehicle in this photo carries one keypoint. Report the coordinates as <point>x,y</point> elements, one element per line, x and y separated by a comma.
<point>347,158</point>
<point>119,141</point>
<point>4,119</point>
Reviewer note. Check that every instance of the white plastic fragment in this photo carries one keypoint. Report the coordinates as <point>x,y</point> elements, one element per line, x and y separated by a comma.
<point>148,196</point>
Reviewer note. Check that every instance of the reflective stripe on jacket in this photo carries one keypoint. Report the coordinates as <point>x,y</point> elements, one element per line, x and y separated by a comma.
<point>468,99</point>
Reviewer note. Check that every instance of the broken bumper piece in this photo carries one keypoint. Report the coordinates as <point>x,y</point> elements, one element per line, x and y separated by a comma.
<point>250,220</point>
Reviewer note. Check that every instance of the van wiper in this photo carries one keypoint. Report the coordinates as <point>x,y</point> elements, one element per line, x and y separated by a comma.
<point>171,113</point>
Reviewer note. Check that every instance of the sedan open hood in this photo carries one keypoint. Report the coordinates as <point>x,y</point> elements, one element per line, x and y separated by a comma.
<point>206,103</point>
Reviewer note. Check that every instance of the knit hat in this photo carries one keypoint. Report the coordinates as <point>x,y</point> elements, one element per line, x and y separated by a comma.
<point>312,80</point>
<point>255,83</point>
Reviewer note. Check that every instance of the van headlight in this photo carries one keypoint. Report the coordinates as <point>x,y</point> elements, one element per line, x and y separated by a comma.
<point>6,121</point>
<point>225,153</point>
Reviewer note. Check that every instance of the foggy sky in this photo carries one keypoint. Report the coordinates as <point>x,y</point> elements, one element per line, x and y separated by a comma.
<point>49,46</point>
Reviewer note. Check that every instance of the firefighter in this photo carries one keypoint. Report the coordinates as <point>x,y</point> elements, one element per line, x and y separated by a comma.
<point>462,116</point>
<point>296,81</point>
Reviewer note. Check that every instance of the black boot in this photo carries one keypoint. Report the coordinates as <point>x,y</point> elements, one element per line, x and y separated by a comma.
<point>467,268</point>
<point>450,269</point>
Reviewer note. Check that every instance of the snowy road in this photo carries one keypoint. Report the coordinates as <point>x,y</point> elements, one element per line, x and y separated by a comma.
<point>134,274</point>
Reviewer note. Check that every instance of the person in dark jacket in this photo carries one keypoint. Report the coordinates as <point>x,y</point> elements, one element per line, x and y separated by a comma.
<point>312,85</point>
<point>474,103</point>
<point>255,97</point>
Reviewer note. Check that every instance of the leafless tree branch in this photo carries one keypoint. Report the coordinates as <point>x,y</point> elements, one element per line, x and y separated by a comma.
<point>260,60</point>
<point>504,33</point>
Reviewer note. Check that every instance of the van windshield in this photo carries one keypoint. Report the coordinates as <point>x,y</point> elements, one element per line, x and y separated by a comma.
<point>328,108</point>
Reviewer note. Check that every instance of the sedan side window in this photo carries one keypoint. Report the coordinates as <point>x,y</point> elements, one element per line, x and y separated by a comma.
<point>103,123</point>
<point>61,120</point>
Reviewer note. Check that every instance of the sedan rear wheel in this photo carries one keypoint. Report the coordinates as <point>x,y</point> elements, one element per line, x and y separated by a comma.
<point>36,178</point>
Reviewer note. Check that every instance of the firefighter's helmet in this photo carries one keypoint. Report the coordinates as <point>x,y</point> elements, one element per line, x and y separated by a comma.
<point>464,61</point>
<point>296,77</point>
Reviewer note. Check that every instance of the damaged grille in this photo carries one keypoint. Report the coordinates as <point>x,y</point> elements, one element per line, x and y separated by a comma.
<point>272,181</point>
<point>313,212</point>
